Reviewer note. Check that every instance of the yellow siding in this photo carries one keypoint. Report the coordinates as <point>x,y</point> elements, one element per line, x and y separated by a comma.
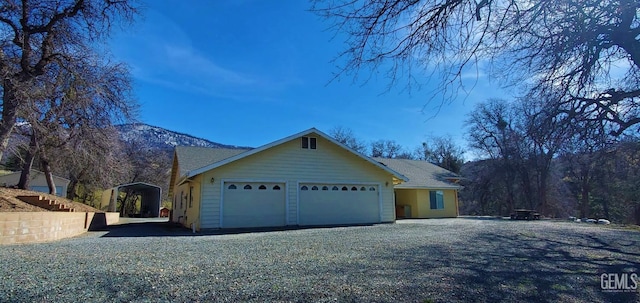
<point>291,164</point>
<point>179,203</point>
<point>408,197</point>
<point>421,204</point>
<point>424,203</point>
<point>192,190</point>
<point>186,202</point>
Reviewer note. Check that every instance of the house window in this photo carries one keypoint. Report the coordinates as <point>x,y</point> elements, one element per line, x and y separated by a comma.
<point>191,197</point>
<point>247,186</point>
<point>314,188</point>
<point>309,143</point>
<point>181,198</point>
<point>436,198</point>
<point>363,188</point>
<point>276,187</point>
<point>354,188</point>
<point>325,188</point>
<point>334,188</point>
<point>344,188</point>
<point>304,187</point>
<point>372,188</point>
<point>262,187</point>
<point>232,186</point>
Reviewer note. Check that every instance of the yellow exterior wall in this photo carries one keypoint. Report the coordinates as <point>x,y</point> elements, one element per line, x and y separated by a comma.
<point>187,211</point>
<point>289,163</point>
<point>408,197</point>
<point>450,206</point>
<point>420,203</point>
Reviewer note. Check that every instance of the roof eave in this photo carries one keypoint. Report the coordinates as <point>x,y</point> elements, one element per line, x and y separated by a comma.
<point>426,187</point>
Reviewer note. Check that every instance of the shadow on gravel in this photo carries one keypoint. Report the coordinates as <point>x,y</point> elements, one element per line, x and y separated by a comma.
<point>168,229</point>
<point>557,266</point>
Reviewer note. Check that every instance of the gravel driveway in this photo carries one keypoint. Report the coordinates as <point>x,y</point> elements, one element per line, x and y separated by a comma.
<point>438,260</point>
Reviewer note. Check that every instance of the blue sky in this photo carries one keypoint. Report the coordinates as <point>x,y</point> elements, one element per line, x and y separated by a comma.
<point>251,72</point>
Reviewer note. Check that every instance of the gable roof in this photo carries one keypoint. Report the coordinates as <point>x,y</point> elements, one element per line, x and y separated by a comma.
<point>192,157</point>
<point>422,174</point>
<point>246,153</point>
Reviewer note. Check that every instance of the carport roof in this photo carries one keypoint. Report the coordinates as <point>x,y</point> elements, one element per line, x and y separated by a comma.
<point>422,174</point>
<point>138,186</point>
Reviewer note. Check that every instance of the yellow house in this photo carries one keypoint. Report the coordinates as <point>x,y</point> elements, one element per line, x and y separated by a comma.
<point>307,179</point>
<point>430,192</point>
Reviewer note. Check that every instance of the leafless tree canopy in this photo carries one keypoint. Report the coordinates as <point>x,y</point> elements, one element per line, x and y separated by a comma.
<point>41,39</point>
<point>347,137</point>
<point>586,53</point>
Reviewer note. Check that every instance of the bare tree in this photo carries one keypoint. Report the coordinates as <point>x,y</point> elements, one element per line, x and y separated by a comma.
<point>586,52</point>
<point>39,35</point>
<point>492,130</point>
<point>75,104</point>
<point>443,152</point>
<point>347,137</point>
<point>386,149</point>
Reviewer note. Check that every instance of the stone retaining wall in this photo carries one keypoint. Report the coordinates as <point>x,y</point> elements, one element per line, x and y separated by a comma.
<point>32,227</point>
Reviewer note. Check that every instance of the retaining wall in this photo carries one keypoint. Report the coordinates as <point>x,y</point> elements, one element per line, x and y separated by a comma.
<point>32,227</point>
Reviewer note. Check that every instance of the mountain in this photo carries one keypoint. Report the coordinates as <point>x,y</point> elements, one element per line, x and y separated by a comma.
<point>159,138</point>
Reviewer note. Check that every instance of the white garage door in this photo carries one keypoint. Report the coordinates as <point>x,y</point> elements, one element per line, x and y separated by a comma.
<point>327,204</point>
<point>251,204</point>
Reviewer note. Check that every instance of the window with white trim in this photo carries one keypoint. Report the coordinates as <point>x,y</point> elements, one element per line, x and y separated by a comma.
<point>436,197</point>
<point>308,143</point>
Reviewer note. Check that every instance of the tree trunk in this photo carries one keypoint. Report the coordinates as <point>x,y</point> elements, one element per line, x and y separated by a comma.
<point>9,114</point>
<point>28,162</point>
<point>72,189</point>
<point>122,204</point>
<point>585,190</point>
<point>47,174</point>
<point>584,200</point>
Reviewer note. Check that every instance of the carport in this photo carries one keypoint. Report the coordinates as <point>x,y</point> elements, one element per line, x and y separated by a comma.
<point>149,197</point>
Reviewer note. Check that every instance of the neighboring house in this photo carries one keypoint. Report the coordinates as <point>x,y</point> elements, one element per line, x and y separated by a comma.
<point>307,179</point>
<point>37,182</point>
<point>430,192</point>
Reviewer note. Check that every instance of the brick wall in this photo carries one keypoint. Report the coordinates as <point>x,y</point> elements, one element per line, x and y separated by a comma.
<point>32,227</point>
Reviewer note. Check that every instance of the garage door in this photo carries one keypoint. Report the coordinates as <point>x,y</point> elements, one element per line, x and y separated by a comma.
<point>253,204</point>
<point>327,204</point>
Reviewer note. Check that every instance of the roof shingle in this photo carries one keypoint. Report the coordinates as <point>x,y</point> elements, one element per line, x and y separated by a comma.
<point>421,174</point>
<point>193,157</point>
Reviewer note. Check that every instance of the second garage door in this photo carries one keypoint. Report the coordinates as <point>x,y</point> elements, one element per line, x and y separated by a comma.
<point>253,204</point>
<point>332,204</point>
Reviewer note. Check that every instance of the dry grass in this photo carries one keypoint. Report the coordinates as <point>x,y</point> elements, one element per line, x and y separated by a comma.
<point>9,202</point>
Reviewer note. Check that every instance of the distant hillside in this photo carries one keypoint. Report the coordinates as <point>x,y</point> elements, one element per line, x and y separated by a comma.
<point>159,138</point>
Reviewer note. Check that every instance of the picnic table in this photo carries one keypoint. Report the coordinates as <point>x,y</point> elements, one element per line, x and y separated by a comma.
<point>525,214</point>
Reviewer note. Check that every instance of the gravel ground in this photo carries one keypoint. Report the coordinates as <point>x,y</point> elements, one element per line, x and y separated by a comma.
<point>438,260</point>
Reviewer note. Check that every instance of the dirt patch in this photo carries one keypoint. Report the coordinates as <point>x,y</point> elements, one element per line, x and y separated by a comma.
<point>9,202</point>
